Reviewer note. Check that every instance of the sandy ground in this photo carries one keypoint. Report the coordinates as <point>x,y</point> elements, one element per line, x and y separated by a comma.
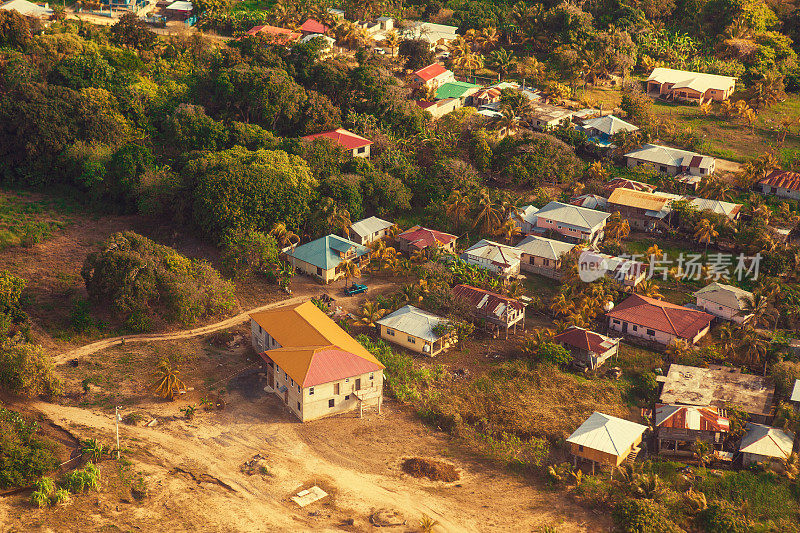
<point>193,469</point>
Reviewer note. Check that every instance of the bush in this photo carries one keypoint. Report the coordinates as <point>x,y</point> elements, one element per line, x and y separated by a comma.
<point>722,517</point>
<point>553,353</point>
<point>24,455</point>
<point>28,370</point>
<point>81,480</point>
<point>140,278</point>
<point>643,516</point>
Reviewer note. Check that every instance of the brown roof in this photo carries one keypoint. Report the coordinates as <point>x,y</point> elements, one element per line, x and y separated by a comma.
<point>663,316</point>
<point>420,237</point>
<point>486,302</point>
<point>783,179</point>
<point>638,199</point>
<point>584,340</point>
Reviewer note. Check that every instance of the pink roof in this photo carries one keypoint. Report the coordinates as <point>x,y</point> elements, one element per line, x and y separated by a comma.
<point>783,179</point>
<point>331,364</point>
<point>663,316</point>
<point>430,72</point>
<point>421,238</point>
<point>274,31</point>
<point>313,26</point>
<point>584,339</point>
<point>342,137</point>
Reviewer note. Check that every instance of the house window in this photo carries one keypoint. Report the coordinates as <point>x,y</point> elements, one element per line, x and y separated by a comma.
<point>319,271</point>
<point>330,403</point>
<point>651,332</point>
<point>311,391</point>
<point>662,168</point>
<point>580,447</point>
<point>298,389</point>
<point>390,332</point>
<point>546,262</point>
<point>347,380</point>
<point>635,327</point>
<point>336,388</point>
<point>372,376</point>
<point>411,340</point>
<point>347,397</point>
<point>616,321</point>
<point>361,150</point>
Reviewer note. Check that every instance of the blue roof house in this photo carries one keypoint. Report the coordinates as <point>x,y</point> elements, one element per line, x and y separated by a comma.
<point>323,257</point>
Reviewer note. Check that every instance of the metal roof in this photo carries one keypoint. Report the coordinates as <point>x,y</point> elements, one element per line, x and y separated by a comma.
<point>573,215</point>
<point>430,72</point>
<point>662,316</point>
<point>639,199</point>
<point>421,238</point>
<point>342,137</point>
<point>496,253</point>
<point>607,434</point>
<point>609,124</point>
<point>415,322</point>
<point>783,179</point>
<point>324,252</point>
<point>690,417</point>
<point>368,226</point>
<point>719,207</point>
<point>23,7</point>
<point>795,391</point>
<point>585,340</point>
<point>726,295</point>
<point>665,155</point>
<point>767,441</point>
<point>456,89</point>
<point>698,81</point>
<point>544,247</point>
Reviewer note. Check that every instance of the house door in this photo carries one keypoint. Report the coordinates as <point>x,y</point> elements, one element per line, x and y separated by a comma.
<point>270,377</point>
<point>624,327</point>
<point>286,396</point>
<point>358,384</point>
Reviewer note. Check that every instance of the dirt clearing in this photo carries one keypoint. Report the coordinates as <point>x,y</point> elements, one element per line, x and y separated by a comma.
<point>430,468</point>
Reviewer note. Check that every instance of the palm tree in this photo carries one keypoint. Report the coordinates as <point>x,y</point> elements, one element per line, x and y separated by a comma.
<point>648,288</point>
<point>284,236</point>
<point>617,228</point>
<point>508,230</point>
<point>757,310</point>
<point>501,61</point>
<point>369,313</point>
<point>427,524</point>
<point>457,205</point>
<point>654,252</point>
<point>534,339</point>
<point>754,347</point>
<point>560,306</point>
<point>489,38</point>
<point>488,217</point>
<point>726,338</point>
<point>595,171</point>
<point>350,270</point>
<point>677,349</point>
<point>767,91</point>
<point>168,384</point>
<point>704,233</point>
<point>703,451</point>
<point>392,41</point>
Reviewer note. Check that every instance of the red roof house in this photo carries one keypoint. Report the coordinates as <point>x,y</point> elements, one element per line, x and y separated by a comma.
<point>356,144</point>
<point>589,349</point>
<point>280,35</point>
<point>419,238</point>
<point>312,26</point>
<point>677,427</point>
<point>433,74</point>
<point>781,183</point>
<point>658,321</point>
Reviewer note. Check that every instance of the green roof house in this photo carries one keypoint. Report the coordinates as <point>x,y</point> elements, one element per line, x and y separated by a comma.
<point>323,257</point>
<point>457,89</point>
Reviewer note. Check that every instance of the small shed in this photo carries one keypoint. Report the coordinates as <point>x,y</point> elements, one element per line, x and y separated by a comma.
<point>606,440</point>
<point>180,10</point>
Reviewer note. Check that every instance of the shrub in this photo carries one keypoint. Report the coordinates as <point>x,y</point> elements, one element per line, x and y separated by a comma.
<point>24,456</point>
<point>643,516</point>
<point>550,352</point>
<point>722,517</point>
<point>26,369</point>
<point>81,480</point>
<point>141,278</point>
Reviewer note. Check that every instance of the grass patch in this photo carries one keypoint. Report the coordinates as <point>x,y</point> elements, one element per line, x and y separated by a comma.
<point>26,222</point>
<point>763,495</point>
<point>253,5</point>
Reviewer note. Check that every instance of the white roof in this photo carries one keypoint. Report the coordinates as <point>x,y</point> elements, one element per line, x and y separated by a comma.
<point>180,5</point>
<point>430,32</point>
<point>719,207</point>
<point>590,201</point>
<point>368,226</point>
<point>665,155</point>
<point>698,81</point>
<point>573,215</point>
<point>414,322</point>
<point>329,40</point>
<point>527,213</point>
<point>494,252</point>
<point>609,124</point>
<point>543,247</point>
<point>726,295</point>
<point>607,434</point>
<point>796,391</point>
<point>767,441</point>
<point>23,7</point>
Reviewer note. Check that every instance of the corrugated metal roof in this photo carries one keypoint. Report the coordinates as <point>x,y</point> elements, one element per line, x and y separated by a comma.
<point>728,209</point>
<point>430,72</point>
<point>665,155</point>
<point>543,247</point>
<point>421,238</point>
<point>370,225</point>
<point>690,417</point>
<point>638,199</point>
<point>324,252</point>
<point>585,340</point>
<point>609,124</point>
<point>607,434</point>
<point>727,295</point>
<point>342,137</point>
<point>415,322</point>
<point>795,391</point>
<point>573,215</point>
<point>783,179</point>
<point>767,441</point>
<point>489,303</point>
<point>698,81</point>
<point>662,316</point>
<point>456,89</point>
<point>498,254</point>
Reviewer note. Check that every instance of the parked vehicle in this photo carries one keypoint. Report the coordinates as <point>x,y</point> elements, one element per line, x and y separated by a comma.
<point>355,288</point>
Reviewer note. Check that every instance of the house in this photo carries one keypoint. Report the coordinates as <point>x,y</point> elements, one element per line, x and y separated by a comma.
<point>312,27</point>
<point>327,42</point>
<point>419,238</point>
<point>606,440</point>
<point>601,129</point>
<point>671,161</point>
<point>312,364</point>
<point>495,257</point>
<point>543,256</point>
<point>432,76</point>
<point>658,321</point>
<point>644,211</point>
<point>590,201</point>
<point>487,95</point>
<point>416,330</point>
<point>625,271</point>
<point>357,145</point>
<point>724,301</point>
<point>323,257</point>
<point>678,427</point>
<point>275,34</point>
<point>180,10</point>
<point>718,207</point>
<point>525,218</point>
<point>460,90</point>
<point>546,116</point>
<point>697,87</point>
<point>719,386</point>
<point>27,9</point>
<point>765,444</point>
<point>368,230</point>
<point>491,310</point>
<point>624,183</point>
<point>576,224</point>
<point>440,108</point>
<point>438,35</point>
<point>589,349</point>
<point>781,183</point>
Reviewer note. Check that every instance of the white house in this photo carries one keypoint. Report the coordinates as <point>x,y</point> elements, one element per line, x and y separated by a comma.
<point>764,443</point>
<point>356,145</point>
<point>605,439</point>
<point>697,87</point>
<point>369,230</point>
<point>495,257</point>
<point>525,219</point>
<point>724,301</point>
<point>434,75</point>
<point>671,161</point>
<point>542,255</point>
<point>435,34</point>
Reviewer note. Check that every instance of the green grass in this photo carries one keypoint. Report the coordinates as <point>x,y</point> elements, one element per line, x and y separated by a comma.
<point>26,222</point>
<point>253,5</point>
<point>765,496</point>
<point>635,359</point>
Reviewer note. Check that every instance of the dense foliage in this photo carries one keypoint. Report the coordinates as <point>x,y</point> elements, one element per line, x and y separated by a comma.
<point>24,455</point>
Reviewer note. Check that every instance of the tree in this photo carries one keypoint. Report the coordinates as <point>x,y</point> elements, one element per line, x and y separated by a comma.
<point>417,53</point>
<point>369,313</point>
<point>132,32</point>
<point>248,251</point>
<point>457,205</point>
<point>508,230</point>
<point>238,188</point>
<point>167,383</point>
<point>392,41</point>
<point>703,451</point>
<point>26,369</point>
<point>705,232</point>
<point>767,91</point>
<point>502,61</point>
<point>350,270</point>
<point>488,216</point>
<point>617,228</point>
<point>553,353</point>
<point>15,31</point>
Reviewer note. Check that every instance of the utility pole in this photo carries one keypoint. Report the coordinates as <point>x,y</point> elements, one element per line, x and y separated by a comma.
<point>116,423</point>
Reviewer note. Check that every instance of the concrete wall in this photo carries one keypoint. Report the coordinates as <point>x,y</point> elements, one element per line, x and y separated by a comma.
<point>484,263</point>
<point>659,337</point>
<point>361,152</point>
<point>720,311</point>
<point>569,231</point>
<point>368,239</point>
<point>602,457</point>
<point>780,192</point>
<point>669,170</point>
<point>539,265</point>
<point>410,342</point>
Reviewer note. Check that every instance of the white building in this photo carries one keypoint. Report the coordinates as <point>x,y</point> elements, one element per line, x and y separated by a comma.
<point>671,161</point>
<point>724,301</point>
<point>764,443</point>
<point>495,257</point>
<point>369,230</point>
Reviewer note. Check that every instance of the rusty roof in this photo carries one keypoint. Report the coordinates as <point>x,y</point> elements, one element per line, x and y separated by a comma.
<point>706,418</point>
<point>486,302</point>
<point>585,340</point>
<point>638,199</point>
<point>783,179</point>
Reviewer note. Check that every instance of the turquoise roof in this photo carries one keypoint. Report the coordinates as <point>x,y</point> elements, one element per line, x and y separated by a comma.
<point>454,89</point>
<point>324,252</point>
